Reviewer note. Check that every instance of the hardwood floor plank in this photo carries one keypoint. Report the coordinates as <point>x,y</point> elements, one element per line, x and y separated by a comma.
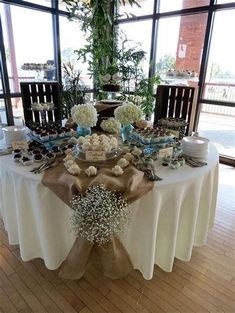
<point>84,296</point>
<point>98,297</point>
<point>63,305</point>
<point>6,305</point>
<point>70,297</point>
<point>11,292</point>
<point>118,291</point>
<point>26,294</point>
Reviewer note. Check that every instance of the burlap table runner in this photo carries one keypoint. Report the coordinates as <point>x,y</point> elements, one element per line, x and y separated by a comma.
<point>112,256</point>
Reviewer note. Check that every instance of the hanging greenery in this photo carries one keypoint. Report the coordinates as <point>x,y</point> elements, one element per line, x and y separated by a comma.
<point>108,51</point>
<point>97,22</point>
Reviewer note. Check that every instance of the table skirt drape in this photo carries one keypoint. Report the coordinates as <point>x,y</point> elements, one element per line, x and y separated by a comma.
<point>165,223</point>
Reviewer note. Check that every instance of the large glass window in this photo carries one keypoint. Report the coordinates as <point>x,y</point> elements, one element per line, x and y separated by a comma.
<point>62,5</point>
<point>71,43</point>
<point>139,34</point>
<point>220,77</point>
<point>3,117</point>
<point>179,53</point>
<point>145,7</point>
<point>169,5</point>
<point>1,89</point>
<point>42,2</point>
<point>29,45</point>
<point>224,1</point>
<point>218,124</point>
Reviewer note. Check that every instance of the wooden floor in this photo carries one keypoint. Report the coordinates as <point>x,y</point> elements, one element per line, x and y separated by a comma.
<point>205,284</point>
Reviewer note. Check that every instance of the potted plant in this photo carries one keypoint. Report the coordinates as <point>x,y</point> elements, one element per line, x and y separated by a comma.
<point>73,92</point>
<point>144,94</point>
<point>97,19</point>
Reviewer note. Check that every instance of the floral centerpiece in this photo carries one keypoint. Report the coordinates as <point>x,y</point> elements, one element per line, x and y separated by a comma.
<point>85,115</point>
<point>111,125</point>
<point>128,113</point>
<point>99,214</point>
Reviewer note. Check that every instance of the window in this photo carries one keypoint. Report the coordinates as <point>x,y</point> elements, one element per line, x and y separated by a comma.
<point>167,5</point>
<point>224,1</point>
<point>29,45</point>
<point>69,44</point>
<point>220,76</point>
<point>146,7</point>
<point>1,89</point>
<point>139,33</point>
<point>217,121</point>
<point>3,117</point>
<point>42,2</point>
<point>218,124</point>
<point>179,53</point>
<point>62,6</point>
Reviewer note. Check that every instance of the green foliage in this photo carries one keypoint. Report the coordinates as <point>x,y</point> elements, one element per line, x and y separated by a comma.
<point>144,94</point>
<point>108,52</point>
<point>97,20</point>
<point>129,64</point>
<point>165,63</point>
<point>73,91</point>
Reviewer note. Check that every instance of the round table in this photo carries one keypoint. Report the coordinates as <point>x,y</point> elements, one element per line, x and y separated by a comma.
<point>165,223</point>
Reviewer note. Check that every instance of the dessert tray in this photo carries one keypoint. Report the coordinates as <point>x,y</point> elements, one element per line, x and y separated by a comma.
<point>97,148</point>
<point>152,136</point>
<point>45,134</point>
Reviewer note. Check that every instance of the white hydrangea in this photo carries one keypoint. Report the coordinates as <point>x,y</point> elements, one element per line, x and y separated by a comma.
<point>85,115</point>
<point>127,113</point>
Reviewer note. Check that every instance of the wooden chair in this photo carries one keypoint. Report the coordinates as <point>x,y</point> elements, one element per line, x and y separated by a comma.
<point>40,92</point>
<point>176,102</point>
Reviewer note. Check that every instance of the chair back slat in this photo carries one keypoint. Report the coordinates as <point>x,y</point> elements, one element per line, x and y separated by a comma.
<point>35,99</point>
<point>176,102</point>
<point>26,99</point>
<point>186,103</point>
<point>56,99</point>
<point>179,98</point>
<point>171,109</point>
<point>40,92</point>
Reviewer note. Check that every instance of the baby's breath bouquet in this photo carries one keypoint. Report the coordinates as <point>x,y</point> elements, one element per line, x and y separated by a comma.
<point>127,113</point>
<point>85,115</point>
<point>111,125</point>
<point>99,214</point>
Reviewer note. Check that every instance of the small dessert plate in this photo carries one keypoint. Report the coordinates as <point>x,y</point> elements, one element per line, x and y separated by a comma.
<point>26,161</point>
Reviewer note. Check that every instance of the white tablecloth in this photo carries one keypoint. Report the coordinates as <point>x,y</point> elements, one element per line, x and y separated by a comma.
<point>166,223</point>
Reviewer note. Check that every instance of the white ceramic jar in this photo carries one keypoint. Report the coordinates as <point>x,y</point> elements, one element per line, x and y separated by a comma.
<point>14,133</point>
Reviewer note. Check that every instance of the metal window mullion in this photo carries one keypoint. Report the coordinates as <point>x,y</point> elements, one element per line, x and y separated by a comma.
<point>56,40</point>
<point>5,81</point>
<point>153,43</point>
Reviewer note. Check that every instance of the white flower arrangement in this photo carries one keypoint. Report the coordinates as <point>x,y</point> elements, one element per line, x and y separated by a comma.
<point>85,115</point>
<point>111,125</point>
<point>99,214</point>
<point>127,113</point>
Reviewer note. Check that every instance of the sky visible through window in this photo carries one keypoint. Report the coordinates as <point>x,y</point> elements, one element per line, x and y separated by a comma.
<point>33,35</point>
